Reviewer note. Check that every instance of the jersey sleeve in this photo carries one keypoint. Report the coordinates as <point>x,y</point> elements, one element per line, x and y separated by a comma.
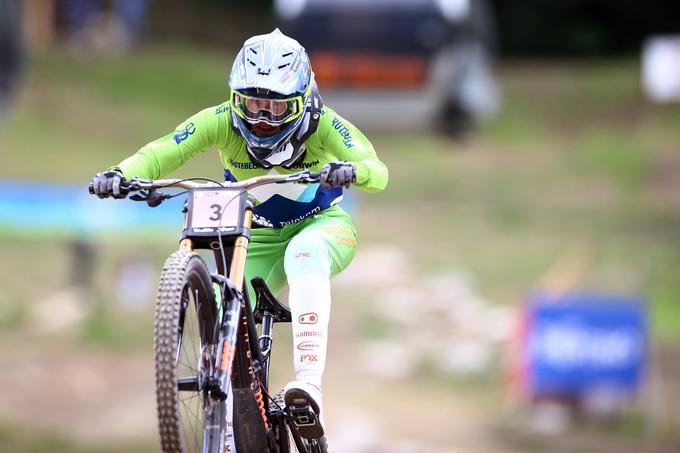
<point>342,139</point>
<point>192,137</point>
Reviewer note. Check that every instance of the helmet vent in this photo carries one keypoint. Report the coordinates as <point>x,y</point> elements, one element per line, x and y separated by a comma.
<point>253,51</point>
<point>286,54</point>
<point>251,62</point>
<point>283,66</point>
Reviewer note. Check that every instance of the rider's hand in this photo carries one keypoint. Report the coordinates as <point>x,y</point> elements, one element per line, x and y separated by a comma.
<point>108,183</point>
<point>337,174</point>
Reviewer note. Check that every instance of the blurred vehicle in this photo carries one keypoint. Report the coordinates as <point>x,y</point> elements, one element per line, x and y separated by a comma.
<point>400,63</point>
<point>10,48</point>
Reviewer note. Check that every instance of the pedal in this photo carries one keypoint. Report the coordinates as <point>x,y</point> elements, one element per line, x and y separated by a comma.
<point>303,416</point>
<point>306,421</point>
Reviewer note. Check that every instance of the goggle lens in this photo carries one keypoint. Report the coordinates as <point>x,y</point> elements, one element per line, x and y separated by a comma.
<point>275,107</point>
<point>271,111</point>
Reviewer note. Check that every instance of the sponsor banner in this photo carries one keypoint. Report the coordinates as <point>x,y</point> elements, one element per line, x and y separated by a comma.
<point>577,344</point>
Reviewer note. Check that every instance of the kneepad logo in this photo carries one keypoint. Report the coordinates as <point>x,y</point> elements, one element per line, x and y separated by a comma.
<point>308,318</point>
<point>308,345</point>
<point>309,358</point>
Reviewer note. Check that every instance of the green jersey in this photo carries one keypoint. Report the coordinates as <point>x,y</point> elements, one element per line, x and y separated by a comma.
<point>277,205</point>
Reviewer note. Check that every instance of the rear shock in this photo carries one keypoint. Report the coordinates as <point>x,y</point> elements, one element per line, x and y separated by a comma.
<point>259,397</point>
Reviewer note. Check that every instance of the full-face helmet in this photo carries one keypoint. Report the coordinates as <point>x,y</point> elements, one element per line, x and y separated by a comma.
<point>271,85</point>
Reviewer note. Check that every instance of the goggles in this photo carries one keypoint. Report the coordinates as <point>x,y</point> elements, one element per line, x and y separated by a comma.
<point>274,112</point>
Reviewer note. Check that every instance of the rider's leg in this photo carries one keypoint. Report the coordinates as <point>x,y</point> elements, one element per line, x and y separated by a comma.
<point>323,247</point>
<point>265,259</point>
<point>308,268</point>
<point>312,251</point>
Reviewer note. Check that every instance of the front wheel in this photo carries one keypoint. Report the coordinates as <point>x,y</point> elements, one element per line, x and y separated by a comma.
<point>186,333</point>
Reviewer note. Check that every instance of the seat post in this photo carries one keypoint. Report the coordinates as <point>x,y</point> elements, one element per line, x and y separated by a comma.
<point>265,341</point>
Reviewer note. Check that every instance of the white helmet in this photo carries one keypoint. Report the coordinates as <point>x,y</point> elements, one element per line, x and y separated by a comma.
<point>272,82</point>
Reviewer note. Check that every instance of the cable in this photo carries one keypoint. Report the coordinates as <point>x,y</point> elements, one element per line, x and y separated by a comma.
<point>168,196</point>
<point>220,184</point>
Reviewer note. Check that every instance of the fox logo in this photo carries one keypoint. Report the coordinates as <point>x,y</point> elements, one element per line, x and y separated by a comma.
<point>309,358</point>
<point>308,318</point>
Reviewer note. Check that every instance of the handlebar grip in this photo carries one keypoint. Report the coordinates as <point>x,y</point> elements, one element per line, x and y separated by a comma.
<point>125,187</point>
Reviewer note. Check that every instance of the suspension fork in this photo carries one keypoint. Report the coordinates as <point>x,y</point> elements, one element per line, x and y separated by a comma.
<point>237,358</point>
<point>234,312</point>
<point>186,244</point>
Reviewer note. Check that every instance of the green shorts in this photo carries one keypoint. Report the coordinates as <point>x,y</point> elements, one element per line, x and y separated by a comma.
<point>266,252</point>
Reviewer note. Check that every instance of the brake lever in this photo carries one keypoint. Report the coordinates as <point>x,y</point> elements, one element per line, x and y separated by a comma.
<point>307,177</point>
<point>152,197</point>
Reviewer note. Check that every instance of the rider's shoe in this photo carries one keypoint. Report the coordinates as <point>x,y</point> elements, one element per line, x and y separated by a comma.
<point>303,402</point>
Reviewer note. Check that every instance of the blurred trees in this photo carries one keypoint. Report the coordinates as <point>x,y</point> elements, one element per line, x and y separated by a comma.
<point>526,27</point>
<point>582,27</point>
<point>213,23</point>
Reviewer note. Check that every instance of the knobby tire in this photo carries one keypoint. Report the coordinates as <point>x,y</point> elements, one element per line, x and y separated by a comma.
<point>185,292</point>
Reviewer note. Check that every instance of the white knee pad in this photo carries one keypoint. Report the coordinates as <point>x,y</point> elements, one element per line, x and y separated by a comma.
<point>307,255</point>
<point>308,268</point>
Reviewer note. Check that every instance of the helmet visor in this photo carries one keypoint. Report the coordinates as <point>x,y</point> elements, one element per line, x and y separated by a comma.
<point>271,111</point>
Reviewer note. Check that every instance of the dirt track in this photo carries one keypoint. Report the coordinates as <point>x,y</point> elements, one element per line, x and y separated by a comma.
<point>97,397</point>
<point>93,395</point>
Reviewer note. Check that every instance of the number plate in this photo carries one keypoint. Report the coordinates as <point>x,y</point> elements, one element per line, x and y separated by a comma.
<point>215,210</point>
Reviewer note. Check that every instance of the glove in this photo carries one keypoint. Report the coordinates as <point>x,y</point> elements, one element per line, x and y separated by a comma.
<point>337,174</point>
<point>108,183</point>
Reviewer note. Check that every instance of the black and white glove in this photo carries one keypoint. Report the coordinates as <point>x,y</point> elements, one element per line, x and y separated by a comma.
<point>337,174</point>
<point>108,183</point>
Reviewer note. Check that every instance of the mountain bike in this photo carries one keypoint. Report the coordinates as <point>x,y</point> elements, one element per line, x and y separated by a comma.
<point>212,365</point>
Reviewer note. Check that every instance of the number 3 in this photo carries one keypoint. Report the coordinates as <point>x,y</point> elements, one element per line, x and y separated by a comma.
<point>217,211</point>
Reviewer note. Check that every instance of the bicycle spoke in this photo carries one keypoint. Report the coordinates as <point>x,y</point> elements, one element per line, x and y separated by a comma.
<point>192,407</point>
<point>191,402</point>
<point>194,415</point>
<point>185,426</point>
<point>189,360</point>
<point>192,333</point>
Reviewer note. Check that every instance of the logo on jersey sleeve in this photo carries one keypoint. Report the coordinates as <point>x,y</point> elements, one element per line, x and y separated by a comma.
<point>183,134</point>
<point>344,132</point>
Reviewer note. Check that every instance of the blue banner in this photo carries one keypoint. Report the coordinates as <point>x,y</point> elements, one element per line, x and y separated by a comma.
<point>28,208</point>
<point>580,343</point>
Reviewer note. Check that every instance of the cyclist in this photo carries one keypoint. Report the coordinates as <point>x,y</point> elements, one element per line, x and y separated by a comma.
<point>275,123</point>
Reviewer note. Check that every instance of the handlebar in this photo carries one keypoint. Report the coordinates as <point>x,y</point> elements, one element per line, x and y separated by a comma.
<point>151,186</point>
